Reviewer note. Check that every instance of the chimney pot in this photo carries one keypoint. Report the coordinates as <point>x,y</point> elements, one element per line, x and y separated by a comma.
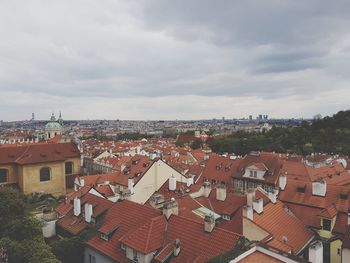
<point>76,206</point>
<point>209,223</point>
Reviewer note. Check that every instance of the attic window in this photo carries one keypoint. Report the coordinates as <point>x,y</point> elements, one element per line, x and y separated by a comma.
<point>104,237</point>
<point>326,224</point>
<point>343,195</point>
<point>301,188</point>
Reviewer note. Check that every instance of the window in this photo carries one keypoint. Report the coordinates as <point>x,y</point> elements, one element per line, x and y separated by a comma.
<point>255,174</point>
<point>92,259</point>
<point>338,251</point>
<point>326,223</point>
<point>45,174</point>
<point>3,175</point>
<point>251,173</point>
<point>69,167</point>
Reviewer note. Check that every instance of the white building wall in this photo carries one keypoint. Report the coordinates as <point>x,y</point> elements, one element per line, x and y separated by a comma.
<point>154,178</point>
<point>345,255</point>
<point>49,229</point>
<point>260,174</point>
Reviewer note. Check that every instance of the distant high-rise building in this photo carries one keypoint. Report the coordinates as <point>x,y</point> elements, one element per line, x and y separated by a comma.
<point>33,116</point>
<point>260,117</point>
<point>250,117</point>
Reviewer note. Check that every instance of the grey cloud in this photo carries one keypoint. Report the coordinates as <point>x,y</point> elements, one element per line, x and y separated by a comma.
<point>154,49</point>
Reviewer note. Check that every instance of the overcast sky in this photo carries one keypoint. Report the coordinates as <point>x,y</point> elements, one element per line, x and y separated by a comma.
<point>173,59</point>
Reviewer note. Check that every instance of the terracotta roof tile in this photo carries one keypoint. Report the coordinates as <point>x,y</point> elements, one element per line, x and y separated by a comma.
<point>274,219</point>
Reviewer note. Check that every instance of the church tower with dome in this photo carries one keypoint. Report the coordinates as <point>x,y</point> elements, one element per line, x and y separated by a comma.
<point>53,127</point>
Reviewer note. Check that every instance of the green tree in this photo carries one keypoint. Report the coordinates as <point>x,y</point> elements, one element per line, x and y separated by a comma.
<point>196,144</point>
<point>21,236</point>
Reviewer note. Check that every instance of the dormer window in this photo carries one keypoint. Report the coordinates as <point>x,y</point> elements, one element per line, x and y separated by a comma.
<point>326,224</point>
<point>343,196</point>
<point>301,188</point>
<point>104,237</point>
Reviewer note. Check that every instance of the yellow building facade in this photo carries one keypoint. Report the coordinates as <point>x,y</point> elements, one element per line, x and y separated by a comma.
<point>39,168</point>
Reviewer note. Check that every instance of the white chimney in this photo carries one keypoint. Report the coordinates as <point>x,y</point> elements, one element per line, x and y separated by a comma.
<point>172,183</point>
<point>122,166</point>
<point>221,192</point>
<point>250,197</point>
<point>76,206</point>
<point>258,205</point>
<point>316,252</point>
<point>319,187</point>
<point>131,185</point>
<point>170,207</point>
<point>282,181</point>
<point>82,182</point>
<point>206,188</point>
<point>177,247</point>
<point>189,181</point>
<point>209,223</point>
<point>88,212</point>
<point>248,212</point>
<point>273,197</point>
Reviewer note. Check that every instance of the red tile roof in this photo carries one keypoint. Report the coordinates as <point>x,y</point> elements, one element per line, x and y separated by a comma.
<point>38,153</point>
<point>329,212</point>
<point>271,161</point>
<point>220,168</point>
<point>126,216</point>
<point>75,224</point>
<point>105,190</point>
<point>149,237</point>
<point>275,218</point>
<point>196,244</point>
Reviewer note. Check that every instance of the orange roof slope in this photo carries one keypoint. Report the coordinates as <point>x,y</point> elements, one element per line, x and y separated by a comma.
<point>275,218</point>
<point>124,217</point>
<point>149,237</point>
<point>38,153</point>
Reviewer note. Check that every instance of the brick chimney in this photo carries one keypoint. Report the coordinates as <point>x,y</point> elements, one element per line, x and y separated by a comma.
<point>221,191</point>
<point>76,206</point>
<point>170,208</point>
<point>177,247</point>
<point>209,223</point>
